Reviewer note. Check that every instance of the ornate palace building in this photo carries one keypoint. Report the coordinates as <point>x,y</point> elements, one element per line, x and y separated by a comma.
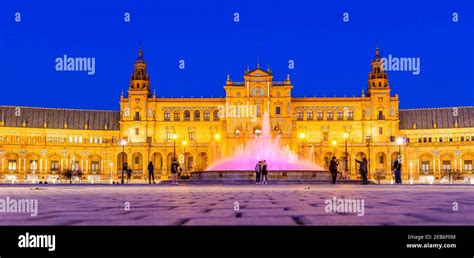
<point>46,141</point>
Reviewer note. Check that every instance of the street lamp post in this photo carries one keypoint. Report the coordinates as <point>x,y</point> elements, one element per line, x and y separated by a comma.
<point>368,139</point>
<point>184,156</point>
<point>400,142</point>
<point>334,143</point>
<point>123,142</point>
<point>111,168</point>
<point>346,135</point>
<point>411,172</point>
<point>175,136</point>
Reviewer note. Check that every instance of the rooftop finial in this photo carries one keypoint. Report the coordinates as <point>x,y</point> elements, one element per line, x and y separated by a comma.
<point>140,51</point>
<point>154,93</point>
<point>140,54</point>
<point>376,47</point>
<point>258,61</point>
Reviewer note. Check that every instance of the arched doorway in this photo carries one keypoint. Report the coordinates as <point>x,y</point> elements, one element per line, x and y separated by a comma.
<point>189,163</point>
<point>95,164</point>
<point>137,162</point>
<point>169,159</point>
<point>426,164</point>
<point>381,161</point>
<point>32,163</point>
<point>12,162</point>
<point>157,160</point>
<point>186,161</point>
<point>344,161</point>
<point>53,164</point>
<point>467,160</point>
<point>121,165</point>
<point>73,162</point>
<point>202,161</point>
<point>446,163</point>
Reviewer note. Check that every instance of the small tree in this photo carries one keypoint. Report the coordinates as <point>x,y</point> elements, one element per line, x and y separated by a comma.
<point>380,174</point>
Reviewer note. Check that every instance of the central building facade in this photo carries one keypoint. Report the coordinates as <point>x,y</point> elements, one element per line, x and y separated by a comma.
<point>212,128</point>
<point>199,131</point>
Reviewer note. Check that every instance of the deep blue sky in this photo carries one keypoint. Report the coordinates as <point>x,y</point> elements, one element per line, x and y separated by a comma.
<point>331,57</point>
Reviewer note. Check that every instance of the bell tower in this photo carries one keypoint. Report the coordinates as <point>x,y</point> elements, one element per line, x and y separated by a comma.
<point>381,108</point>
<point>134,108</point>
<point>378,79</point>
<point>140,80</point>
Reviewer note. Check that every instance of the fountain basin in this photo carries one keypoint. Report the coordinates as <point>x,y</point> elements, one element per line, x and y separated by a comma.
<point>273,175</point>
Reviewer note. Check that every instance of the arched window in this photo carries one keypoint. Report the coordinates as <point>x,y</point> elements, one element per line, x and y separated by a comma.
<point>330,115</point>
<point>167,115</point>
<point>340,115</point>
<point>216,115</point>
<point>187,115</point>
<point>176,116</point>
<point>197,115</point>
<point>350,114</point>
<point>299,114</point>
<point>309,115</point>
<point>320,115</point>
<point>207,115</point>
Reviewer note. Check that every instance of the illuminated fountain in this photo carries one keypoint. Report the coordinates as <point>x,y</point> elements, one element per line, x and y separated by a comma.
<point>282,163</point>
<point>265,147</point>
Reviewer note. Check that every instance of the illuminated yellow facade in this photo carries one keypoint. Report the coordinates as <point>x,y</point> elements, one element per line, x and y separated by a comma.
<point>44,141</point>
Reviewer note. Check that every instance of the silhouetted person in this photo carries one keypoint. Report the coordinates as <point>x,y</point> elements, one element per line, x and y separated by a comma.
<point>129,175</point>
<point>397,168</point>
<point>333,168</point>
<point>175,170</point>
<point>151,173</point>
<point>363,170</point>
<point>258,172</point>
<point>264,172</point>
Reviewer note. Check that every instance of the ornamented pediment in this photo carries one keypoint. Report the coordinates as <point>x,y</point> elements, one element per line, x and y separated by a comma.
<point>258,72</point>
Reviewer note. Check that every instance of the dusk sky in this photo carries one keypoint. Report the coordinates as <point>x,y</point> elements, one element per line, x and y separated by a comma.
<point>331,57</point>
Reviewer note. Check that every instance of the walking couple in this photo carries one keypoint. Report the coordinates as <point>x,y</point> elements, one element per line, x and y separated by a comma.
<point>261,172</point>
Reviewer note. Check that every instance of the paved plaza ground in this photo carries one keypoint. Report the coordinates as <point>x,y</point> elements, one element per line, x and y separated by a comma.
<point>213,204</point>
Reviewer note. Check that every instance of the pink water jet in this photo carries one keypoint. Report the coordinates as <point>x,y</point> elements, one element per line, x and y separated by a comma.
<point>264,147</point>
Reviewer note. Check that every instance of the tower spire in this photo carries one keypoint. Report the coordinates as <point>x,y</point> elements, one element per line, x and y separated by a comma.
<point>140,80</point>
<point>378,78</point>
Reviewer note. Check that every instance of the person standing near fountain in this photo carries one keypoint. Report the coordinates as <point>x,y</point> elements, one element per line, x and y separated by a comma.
<point>151,174</point>
<point>258,172</point>
<point>264,172</point>
<point>174,170</point>
<point>397,170</point>
<point>333,168</point>
<point>363,170</point>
